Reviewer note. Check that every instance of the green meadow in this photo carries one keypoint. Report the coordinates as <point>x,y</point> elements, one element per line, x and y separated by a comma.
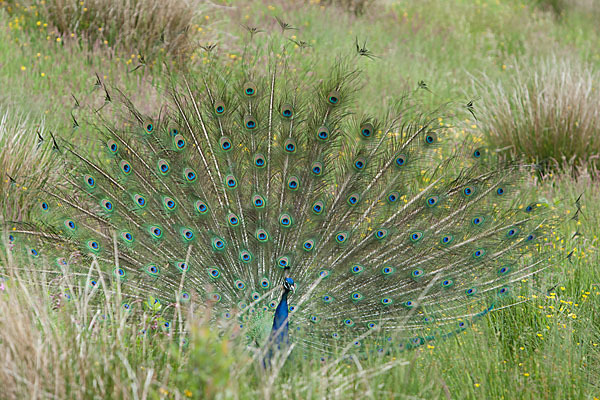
<point>531,69</point>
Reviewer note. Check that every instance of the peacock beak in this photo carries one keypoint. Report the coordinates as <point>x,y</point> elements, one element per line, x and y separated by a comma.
<point>293,288</point>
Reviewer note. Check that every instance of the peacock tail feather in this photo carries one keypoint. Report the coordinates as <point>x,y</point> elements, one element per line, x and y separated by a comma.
<point>256,171</point>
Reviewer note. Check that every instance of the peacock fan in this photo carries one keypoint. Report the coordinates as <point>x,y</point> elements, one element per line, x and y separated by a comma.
<point>269,194</point>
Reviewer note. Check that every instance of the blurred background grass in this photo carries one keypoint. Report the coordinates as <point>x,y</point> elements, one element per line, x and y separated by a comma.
<point>531,68</point>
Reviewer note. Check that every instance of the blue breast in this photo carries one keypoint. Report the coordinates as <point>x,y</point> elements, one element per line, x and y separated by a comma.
<point>279,332</point>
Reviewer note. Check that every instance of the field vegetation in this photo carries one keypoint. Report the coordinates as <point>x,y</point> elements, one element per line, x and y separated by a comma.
<point>532,70</point>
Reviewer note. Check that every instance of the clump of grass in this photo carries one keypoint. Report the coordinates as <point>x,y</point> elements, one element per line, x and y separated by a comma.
<point>357,7</point>
<point>547,111</point>
<point>150,27</point>
<point>64,341</point>
<point>561,7</point>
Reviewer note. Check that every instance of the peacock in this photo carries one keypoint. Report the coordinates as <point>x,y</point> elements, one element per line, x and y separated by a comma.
<point>259,187</point>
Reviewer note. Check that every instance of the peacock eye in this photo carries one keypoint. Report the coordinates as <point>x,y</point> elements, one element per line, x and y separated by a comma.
<point>112,146</point>
<point>433,201</point>
<point>446,283</point>
<point>233,220</point>
<point>290,146</point>
<point>353,199</point>
<point>479,253</point>
<point>477,221</point>
<point>258,201</point>
<point>357,269</point>
<point>107,204</point>
<point>249,89</point>
<point>323,134</point>
<point>317,168</point>
<point>381,234</point>
<point>318,207</point>
<point>293,183</point>
<point>360,164</point>
<point>416,236</point>
<point>231,182</point>
<point>125,167</point>
<point>187,234</point>
<point>285,220</point>
<point>400,160</point>
<point>250,122</point>
<point>286,111</point>
<point>341,237</point>
<point>430,138</point>
<point>366,130</point>
<point>308,245</point>
<point>333,98</point>
<point>219,107</point>
<point>259,160</point>
<point>163,166</point>
<point>245,256</point>
<point>179,142</point>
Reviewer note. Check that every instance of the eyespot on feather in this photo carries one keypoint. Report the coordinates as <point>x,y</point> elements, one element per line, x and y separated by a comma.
<point>249,89</point>
<point>333,98</point>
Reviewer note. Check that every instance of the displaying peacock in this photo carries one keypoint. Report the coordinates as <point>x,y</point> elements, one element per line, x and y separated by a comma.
<point>260,188</point>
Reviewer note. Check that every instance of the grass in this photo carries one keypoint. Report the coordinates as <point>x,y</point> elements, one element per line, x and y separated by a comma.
<point>547,111</point>
<point>547,347</point>
<point>152,28</point>
<point>21,157</point>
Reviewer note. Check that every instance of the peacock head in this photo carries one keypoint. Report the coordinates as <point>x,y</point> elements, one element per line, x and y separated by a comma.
<point>289,285</point>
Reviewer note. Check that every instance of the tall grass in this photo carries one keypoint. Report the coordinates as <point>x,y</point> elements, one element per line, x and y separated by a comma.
<point>562,7</point>
<point>85,345</point>
<point>547,111</point>
<point>357,7</point>
<point>67,348</point>
<point>165,29</point>
<point>23,162</point>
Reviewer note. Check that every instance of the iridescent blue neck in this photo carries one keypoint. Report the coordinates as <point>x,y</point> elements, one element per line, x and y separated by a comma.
<point>279,332</point>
